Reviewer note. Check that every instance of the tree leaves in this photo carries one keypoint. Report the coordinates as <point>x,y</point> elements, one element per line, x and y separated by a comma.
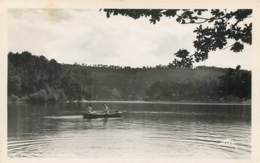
<point>183,59</point>
<point>216,28</point>
<point>237,47</point>
<point>242,14</point>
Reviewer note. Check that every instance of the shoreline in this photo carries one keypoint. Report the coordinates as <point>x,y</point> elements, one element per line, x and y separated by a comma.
<point>162,102</point>
<point>241,103</point>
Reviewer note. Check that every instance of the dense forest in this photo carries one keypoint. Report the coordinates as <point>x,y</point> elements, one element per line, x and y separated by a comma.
<point>36,79</point>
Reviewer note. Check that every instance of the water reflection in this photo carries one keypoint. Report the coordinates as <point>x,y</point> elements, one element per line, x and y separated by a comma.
<point>145,130</point>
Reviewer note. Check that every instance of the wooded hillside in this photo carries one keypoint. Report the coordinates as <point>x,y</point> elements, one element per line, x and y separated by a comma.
<point>37,79</point>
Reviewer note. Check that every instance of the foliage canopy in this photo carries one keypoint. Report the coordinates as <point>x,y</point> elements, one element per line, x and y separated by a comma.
<point>37,79</point>
<point>216,29</point>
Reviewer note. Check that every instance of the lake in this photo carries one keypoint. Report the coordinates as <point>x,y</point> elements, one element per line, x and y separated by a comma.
<point>144,131</point>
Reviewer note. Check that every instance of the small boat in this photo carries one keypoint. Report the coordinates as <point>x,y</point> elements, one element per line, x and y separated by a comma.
<point>99,115</point>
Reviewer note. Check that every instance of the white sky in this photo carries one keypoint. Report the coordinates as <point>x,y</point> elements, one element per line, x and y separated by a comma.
<point>87,36</point>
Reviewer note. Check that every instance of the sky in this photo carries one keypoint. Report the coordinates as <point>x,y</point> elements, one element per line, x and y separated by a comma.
<point>87,36</point>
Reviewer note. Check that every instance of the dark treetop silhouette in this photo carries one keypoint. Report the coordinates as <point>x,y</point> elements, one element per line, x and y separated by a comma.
<point>216,28</point>
<point>37,79</point>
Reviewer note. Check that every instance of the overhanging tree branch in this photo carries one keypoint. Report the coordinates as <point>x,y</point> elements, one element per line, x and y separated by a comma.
<point>216,28</point>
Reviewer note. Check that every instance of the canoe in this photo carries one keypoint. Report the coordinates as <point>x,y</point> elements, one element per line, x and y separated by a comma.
<point>99,115</point>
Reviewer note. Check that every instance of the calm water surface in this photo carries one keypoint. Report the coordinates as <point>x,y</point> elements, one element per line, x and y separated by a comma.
<point>144,131</point>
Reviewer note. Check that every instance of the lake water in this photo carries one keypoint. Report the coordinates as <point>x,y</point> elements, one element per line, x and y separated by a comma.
<point>144,131</point>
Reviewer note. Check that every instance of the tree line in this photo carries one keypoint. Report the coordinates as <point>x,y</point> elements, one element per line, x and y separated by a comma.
<point>36,79</point>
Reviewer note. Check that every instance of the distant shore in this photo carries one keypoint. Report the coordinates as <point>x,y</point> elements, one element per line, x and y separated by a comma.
<point>163,102</point>
<point>181,102</point>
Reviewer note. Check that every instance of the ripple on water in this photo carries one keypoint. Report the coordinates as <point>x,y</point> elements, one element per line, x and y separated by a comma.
<point>140,133</point>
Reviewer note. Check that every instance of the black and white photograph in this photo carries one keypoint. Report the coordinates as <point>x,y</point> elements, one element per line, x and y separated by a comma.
<point>127,83</point>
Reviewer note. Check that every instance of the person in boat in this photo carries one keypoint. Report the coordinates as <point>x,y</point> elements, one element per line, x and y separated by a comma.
<point>106,109</point>
<point>90,110</point>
